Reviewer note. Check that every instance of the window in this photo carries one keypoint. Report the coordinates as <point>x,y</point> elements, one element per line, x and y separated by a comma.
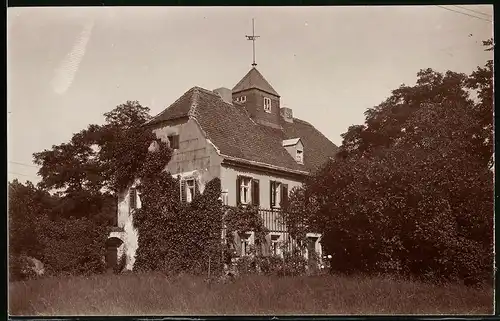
<point>173,141</point>
<point>267,104</point>
<point>224,197</point>
<point>245,196</point>
<point>275,194</point>
<point>299,156</point>
<point>279,194</point>
<point>244,247</point>
<point>133,198</point>
<point>274,245</point>
<point>189,189</point>
<point>247,191</point>
<point>241,99</point>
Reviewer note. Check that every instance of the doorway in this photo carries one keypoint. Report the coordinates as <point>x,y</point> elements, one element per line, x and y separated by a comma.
<point>112,245</point>
<point>311,250</point>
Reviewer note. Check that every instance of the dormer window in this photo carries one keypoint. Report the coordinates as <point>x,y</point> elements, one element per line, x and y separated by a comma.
<point>267,104</point>
<point>295,148</point>
<point>299,156</point>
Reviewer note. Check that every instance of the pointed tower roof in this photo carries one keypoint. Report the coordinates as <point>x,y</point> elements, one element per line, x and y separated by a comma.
<point>254,80</point>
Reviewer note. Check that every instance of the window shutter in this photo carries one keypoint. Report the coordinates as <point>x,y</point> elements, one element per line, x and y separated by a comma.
<point>267,245</point>
<point>271,198</point>
<point>237,244</point>
<point>183,191</point>
<point>255,192</point>
<point>133,198</point>
<point>284,195</point>
<point>176,142</point>
<point>238,186</point>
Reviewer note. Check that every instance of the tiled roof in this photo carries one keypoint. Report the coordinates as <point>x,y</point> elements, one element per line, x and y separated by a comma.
<point>239,138</point>
<point>317,148</point>
<point>254,79</point>
<point>179,108</point>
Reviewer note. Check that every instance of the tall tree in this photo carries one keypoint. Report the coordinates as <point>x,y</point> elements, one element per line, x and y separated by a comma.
<point>97,162</point>
<point>411,191</point>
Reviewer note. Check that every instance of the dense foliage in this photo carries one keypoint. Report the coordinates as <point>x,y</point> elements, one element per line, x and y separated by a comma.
<point>411,191</point>
<point>243,219</point>
<point>175,237</point>
<point>67,230</point>
<point>73,246</point>
<point>63,245</point>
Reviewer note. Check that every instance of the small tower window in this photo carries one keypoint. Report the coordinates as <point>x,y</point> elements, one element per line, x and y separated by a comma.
<point>267,104</point>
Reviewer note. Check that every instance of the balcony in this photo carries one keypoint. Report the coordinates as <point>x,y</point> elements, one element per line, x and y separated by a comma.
<point>273,220</point>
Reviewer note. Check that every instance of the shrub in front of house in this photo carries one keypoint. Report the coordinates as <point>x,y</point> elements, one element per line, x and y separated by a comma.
<point>290,264</point>
<point>22,267</point>
<point>73,247</point>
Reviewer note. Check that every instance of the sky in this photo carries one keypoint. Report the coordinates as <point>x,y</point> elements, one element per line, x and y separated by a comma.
<point>67,66</point>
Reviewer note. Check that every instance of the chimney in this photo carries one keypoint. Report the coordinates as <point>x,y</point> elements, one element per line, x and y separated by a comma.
<point>225,93</point>
<point>286,114</point>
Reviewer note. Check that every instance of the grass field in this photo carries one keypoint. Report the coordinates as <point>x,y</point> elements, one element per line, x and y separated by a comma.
<point>150,294</point>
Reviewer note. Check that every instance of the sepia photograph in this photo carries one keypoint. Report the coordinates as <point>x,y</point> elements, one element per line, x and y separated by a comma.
<point>272,161</point>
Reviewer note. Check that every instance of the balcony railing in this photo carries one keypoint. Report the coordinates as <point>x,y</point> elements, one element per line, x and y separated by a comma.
<point>274,220</point>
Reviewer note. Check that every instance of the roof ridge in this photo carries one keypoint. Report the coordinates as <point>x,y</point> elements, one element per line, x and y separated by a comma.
<point>211,92</point>
<point>303,121</point>
<point>193,104</point>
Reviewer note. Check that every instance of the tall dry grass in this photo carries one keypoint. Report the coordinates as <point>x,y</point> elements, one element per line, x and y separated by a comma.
<point>154,294</point>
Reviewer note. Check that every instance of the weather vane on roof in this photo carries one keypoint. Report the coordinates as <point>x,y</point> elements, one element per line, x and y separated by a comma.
<point>253,37</point>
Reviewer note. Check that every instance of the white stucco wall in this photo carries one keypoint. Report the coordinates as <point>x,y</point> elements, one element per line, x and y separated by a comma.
<point>125,221</point>
<point>195,151</point>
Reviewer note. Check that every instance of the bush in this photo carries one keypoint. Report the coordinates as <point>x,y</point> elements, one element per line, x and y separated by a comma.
<point>120,266</point>
<point>295,263</point>
<point>73,246</point>
<point>21,268</point>
<point>290,264</point>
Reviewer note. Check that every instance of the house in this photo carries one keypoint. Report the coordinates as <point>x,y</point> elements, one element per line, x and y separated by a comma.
<point>247,139</point>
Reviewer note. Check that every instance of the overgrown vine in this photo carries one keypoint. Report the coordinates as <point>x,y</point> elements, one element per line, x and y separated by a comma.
<point>174,237</point>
